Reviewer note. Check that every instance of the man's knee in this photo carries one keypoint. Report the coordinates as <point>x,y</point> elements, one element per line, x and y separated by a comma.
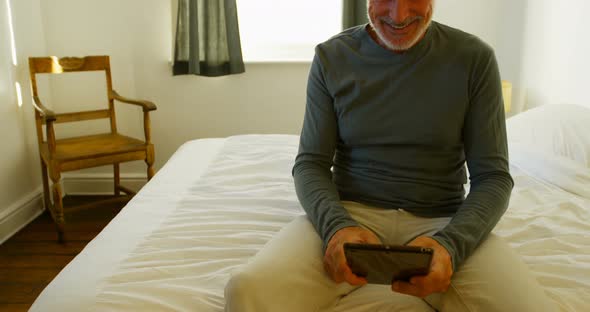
<point>241,292</point>
<point>495,278</point>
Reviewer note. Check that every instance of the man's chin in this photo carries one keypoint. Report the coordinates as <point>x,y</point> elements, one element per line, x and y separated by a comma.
<point>400,45</point>
<point>401,42</point>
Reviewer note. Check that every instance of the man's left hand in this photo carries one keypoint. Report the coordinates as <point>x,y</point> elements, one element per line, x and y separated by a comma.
<point>439,277</point>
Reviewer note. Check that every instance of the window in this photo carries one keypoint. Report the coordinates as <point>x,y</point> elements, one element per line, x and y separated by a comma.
<point>286,30</point>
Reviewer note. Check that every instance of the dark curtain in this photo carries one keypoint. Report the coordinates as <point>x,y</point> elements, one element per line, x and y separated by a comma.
<point>207,38</point>
<point>354,12</point>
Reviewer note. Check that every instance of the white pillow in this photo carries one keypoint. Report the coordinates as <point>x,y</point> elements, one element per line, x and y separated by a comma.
<point>562,130</point>
<point>557,170</point>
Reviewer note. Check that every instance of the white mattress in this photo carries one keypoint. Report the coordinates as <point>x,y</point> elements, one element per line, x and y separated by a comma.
<point>218,201</point>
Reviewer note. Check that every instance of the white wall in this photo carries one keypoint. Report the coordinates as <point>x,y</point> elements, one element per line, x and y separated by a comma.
<point>555,54</point>
<point>14,161</point>
<point>542,46</point>
<point>20,199</point>
<point>500,23</point>
<point>474,16</point>
<point>268,98</point>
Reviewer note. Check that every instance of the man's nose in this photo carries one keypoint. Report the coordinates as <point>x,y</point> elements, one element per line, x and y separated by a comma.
<point>399,11</point>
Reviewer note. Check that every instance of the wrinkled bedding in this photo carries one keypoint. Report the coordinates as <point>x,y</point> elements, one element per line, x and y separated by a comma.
<point>218,201</point>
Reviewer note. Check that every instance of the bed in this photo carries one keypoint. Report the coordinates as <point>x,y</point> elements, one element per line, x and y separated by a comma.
<point>216,202</point>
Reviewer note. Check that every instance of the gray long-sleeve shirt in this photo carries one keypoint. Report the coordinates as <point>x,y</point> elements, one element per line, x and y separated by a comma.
<point>395,130</point>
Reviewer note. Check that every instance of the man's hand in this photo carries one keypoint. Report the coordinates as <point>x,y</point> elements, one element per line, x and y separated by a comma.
<point>334,259</point>
<point>439,277</point>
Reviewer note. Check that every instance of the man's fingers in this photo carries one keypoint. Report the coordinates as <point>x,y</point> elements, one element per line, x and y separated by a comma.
<point>421,286</point>
<point>355,280</point>
<point>433,282</point>
<point>369,238</point>
<point>438,279</point>
<point>419,281</point>
<point>441,270</point>
<point>336,266</point>
<point>345,275</point>
<point>352,279</point>
<point>408,289</point>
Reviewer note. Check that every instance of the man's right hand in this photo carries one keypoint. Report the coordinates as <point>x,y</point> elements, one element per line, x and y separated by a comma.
<point>334,259</point>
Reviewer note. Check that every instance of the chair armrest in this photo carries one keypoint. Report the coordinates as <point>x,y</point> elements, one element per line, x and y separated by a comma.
<point>146,105</point>
<point>47,114</point>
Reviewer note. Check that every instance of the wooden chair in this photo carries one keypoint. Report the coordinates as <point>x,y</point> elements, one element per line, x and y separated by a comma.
<point>76,153</point>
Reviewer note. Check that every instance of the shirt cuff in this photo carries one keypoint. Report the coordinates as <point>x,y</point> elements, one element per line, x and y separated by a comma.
<point>449,247</point>
<point>344,224</point>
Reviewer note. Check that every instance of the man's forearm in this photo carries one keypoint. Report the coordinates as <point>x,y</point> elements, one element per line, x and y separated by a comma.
<point>478,215</point>
<point>319,198</point>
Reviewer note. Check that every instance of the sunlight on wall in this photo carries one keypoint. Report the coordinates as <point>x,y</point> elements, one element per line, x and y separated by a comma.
<point>19,94</point>
<point>12,44</point>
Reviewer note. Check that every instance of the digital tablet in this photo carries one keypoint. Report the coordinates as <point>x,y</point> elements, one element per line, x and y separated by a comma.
<point>383,264</point>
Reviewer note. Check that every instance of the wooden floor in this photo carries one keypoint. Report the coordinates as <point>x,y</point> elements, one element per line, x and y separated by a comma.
<point>32,258</point>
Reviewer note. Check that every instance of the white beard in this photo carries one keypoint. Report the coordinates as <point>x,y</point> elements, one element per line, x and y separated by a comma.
<point>406,45</point>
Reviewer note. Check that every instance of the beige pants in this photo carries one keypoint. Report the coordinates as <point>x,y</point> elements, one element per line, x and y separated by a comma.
<point>288,275</point>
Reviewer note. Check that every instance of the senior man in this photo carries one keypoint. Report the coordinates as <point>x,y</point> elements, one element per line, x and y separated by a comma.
<point>394,110</point>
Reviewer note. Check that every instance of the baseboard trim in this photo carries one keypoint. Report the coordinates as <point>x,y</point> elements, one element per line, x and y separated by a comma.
<point>99,183</point>
<point>21,213</point>
<point>25,210</point>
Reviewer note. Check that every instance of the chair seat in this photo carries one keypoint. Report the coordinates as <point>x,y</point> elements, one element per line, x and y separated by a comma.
<point>92,146</point>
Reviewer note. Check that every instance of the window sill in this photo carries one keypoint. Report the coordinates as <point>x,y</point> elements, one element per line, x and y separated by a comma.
<point>268,62</point>
<point>273,62</point>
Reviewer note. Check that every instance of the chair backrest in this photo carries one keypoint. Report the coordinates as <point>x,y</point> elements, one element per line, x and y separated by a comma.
<point>55,65</point>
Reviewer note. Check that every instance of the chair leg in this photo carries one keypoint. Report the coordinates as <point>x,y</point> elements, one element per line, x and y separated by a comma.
<point>150,171</point>
<point>58,209</point>
<point>117,179</point>
<point>149,160</point>
<point>46,196</point>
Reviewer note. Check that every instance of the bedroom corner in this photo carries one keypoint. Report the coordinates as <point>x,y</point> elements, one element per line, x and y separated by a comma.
<point>225,146</point>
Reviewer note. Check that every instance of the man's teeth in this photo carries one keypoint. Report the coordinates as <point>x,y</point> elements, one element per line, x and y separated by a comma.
<point>397,27</point>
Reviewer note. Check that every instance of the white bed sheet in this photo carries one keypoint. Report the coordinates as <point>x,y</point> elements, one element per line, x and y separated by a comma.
<point>78,284</point>
<point>218,201</point>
